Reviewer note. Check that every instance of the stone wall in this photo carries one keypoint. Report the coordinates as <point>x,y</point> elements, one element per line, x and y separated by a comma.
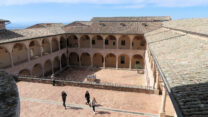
<point>91,85</point>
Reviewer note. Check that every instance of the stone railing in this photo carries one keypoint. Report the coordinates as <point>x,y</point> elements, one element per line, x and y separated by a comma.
<point>107,86</point>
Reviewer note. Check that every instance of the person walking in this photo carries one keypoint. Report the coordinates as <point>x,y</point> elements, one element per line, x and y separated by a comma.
<point>87,97</point>
<point>53,79</point>
<point>93,102</point>
<point>63,94</point>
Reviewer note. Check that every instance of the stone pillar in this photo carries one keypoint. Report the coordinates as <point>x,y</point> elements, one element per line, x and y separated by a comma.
<point>52,68</point>
<point>91,58</point>
<point>116,62</point>
<point>43,72</point>
<point>60,65</point>
<point>103,43</point>
<point>117,40</point>
<point>79,42</point>
<point>28,54</point>
<point>104,62</point>
<point>11,58</point>
<point>80,61</point>
<point>162,108</point>
<point>130,62</point>
<point>90,42</point>
<point>41,51</point>
<point>131,40</point>
<point>157,91</point>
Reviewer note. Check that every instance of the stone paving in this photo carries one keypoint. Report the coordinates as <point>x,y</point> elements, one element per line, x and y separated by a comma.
<point>43,100</point>
<point>125,77</point>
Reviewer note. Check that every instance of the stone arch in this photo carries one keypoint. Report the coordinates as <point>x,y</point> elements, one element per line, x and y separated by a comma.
<point>98,60</point>
<point>85,41</point>
<point>137,59</point>
<point>110,60</point>
<point>124,42</point>
<point>85,59</point>
<point>55,45</point>
<point>63,61</point>
<point>5,60</point>
<point>73,59</point>
<point>34,48</point>
<point>72,41</point>
<point>110,42</point>
<point>47,68</point>
<point>46,47</point>
<point>139,42</point>
<point>37,70</point>
<point>24,72</point>
<point>97,41</point>
<point>56,64</point>
<point>19,53</point>
<point>63,43</point>
<point>123,61</point>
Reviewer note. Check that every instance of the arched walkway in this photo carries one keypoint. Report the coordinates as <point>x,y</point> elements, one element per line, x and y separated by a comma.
<point>85,41</point>
<point>46,47</point>
<point>72,41</point>
<point>123,61</point>
<point>35,51</point>
<point>19,53</point>
<point>110,42</point>
<point>63,61</point>
<point>37,70</point>
<point>47,68</point>
<point>85,59</point>
<point>124,42</point>
<point>98,60</point>
<point>97,41</point>
<point>110,60</point>
<point>24,72</point>
<point>137,61</point>
<point>73,59</point>
<point>139,43</point>
<point>5,60</point>
<point>63,43</point>
<point>55,45</point>
<point>56,64</point>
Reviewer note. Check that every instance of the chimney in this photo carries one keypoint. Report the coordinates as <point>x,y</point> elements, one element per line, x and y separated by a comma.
<point>3,24</point>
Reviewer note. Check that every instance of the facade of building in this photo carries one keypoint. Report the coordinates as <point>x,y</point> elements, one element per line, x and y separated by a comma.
<point>173,54</point>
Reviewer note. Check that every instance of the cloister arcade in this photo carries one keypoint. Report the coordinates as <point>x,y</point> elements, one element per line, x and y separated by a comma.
<point>14,54</point>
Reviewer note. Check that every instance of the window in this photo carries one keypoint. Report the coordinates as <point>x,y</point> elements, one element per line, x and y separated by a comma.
<point>137,62</point>
<point>132,43</point>
<point>106,42</point>
<point>102,59</point>
<point>114,43</point>
<point>93,42</point>
<point>123,42</point>
<point>122,59</point>
<point>77,59</point>
<point>142,43</point>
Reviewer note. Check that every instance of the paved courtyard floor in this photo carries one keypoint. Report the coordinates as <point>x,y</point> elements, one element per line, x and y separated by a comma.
<point>123,77</point>
<point>44,100</point>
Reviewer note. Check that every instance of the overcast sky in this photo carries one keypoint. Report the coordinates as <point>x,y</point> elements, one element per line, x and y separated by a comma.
<point>65,11</point>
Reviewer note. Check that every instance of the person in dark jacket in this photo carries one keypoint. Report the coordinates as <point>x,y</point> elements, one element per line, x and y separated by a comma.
<point>63,94</point>
<point>87,97</point>
<point>53,79</point>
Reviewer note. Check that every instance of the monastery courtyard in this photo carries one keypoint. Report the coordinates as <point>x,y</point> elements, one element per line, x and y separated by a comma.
<point>44,100</point>
<point>112,76</point>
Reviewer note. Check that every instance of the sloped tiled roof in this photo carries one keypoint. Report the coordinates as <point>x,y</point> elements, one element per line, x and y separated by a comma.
<point>113,27</point>
<point>132,19</point>
<point>46,25</point>
<point>23,34</point>
<point>183,60</point>
<point>193,25</point>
